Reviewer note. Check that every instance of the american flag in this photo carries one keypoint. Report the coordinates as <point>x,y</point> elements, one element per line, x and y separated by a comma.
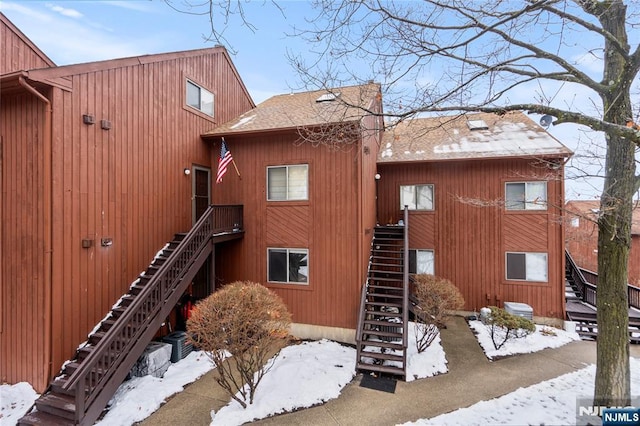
<point>223,162</point>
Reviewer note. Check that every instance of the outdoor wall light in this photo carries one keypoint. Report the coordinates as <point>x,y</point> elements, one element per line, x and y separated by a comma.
<point>377,176</point>
<point>187,171</point>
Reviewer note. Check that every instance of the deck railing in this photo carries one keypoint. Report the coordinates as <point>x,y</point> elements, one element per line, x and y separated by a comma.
<point>132,331</point>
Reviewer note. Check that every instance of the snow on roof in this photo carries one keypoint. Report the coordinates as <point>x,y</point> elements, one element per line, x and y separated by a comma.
<point>512,134</point>
<point>304,109</point>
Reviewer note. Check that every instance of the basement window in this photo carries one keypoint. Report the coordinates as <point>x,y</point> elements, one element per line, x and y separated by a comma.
<point>527,266</point>
<point>285,265</point>
<point>199,98</point>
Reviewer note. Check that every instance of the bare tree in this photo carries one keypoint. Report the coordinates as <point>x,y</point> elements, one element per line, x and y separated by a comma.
<point>503,55</point>
<point>497,56</point>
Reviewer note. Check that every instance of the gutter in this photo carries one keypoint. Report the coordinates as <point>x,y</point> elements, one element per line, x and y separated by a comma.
<point>48,219</point>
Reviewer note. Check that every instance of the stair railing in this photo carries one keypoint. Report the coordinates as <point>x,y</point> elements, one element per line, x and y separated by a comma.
<point>405,287</point>
<point>587,290</point>
<point>119,342</point>
<point>589,281</point>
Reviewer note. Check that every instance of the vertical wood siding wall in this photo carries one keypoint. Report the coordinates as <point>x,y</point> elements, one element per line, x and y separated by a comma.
<point>126,184</point>
<point>470,241</point>
<point>23,328</point>
<point>17,52</point>
<point>329,224</point>
<point>582,243</point>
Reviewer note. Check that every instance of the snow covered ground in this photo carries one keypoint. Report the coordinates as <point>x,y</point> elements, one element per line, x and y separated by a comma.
<point>317,371</point>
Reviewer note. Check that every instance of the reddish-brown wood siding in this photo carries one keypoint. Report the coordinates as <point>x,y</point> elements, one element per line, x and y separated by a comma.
<point>329,224</point>
<point>470,241</point>
<point>23,329</point>
<point>17,52</point>
<point>126,184</point>
<point>582,244</point>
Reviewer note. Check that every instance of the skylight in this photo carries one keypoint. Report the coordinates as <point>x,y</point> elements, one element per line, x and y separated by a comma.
<point>328,97</point>
<point>477,125</point>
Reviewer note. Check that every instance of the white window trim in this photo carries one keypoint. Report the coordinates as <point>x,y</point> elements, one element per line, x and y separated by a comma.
<point>433,197</point>
<point>506,267</point>
<point>433,253</point>
<point>538,206</point>
<point>202,89</point>
<point>286,167</point>
<point>288,250</point>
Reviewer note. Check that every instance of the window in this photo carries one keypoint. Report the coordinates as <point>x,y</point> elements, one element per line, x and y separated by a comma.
<point>288,265</point>
<point>527,266</point>
<point>199,98</point>
<point>417,197</point>
<point>526,196</point>
<point>288,183</point>
<point>421,262</point>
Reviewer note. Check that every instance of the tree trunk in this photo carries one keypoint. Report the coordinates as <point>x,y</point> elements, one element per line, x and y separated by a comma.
<point>612,384</point>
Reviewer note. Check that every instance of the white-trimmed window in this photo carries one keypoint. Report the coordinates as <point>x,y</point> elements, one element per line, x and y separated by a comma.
<point>199,98</point>
<point>285,183</point>
<point>421,262</point>
<point>526,195</point>
<point>417,197</point>
<point>285,265</point>
<point>527,266</point>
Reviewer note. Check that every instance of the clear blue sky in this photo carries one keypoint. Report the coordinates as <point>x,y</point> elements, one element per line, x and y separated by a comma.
<point>82,31</point>
<point>72,32</point>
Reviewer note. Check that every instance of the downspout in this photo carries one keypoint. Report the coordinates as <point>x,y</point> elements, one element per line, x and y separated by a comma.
<point>48,219</point>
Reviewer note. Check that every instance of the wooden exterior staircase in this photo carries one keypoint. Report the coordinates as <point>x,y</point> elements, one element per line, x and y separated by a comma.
<point>580,291</point>
<point>79,394</point>
<point>381,335</point>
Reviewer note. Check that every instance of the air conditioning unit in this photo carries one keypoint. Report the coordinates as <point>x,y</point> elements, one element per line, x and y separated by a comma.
<point>180,346</point>
<point>519,309</point>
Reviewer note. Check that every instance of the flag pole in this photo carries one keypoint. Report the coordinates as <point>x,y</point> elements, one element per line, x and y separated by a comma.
<point>236,167</point>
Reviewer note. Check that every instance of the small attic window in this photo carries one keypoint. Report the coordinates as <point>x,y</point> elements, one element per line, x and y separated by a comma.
<point>328,97</point>
<point>477,125</point>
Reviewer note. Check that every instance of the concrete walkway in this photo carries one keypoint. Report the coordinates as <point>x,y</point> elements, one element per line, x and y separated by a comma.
<point>471,378</point>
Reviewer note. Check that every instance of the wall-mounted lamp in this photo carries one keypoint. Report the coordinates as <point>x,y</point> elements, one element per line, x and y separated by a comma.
<point>187,171</point>
<point>377,176</point>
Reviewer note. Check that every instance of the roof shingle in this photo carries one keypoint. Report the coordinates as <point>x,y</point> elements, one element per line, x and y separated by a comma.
<point>298,110</point>
<point>512,134</point>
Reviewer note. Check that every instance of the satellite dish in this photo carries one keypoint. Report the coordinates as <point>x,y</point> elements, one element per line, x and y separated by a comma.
<point>546,120</point>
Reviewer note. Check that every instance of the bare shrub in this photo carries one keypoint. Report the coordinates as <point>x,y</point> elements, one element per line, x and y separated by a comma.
<point>247,321</point>
<point>437,297</point>
<point>504,326</point>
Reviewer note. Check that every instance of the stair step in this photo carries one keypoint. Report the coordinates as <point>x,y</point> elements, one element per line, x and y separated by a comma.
<point>57,404</point>
<point>374,272</point>
<point>382,355</point>
<point>385,265</point>
<point>373,286</point>
<point>381,369</point>
<point>390,304</point>
<point>397,280</point>
<point>384,314</point>
<point>42,418</point>
<point>57,385</point>
<point>381,333</point>
<point>386,295</point>
<point>383,323</point>
<point>381,344</point>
